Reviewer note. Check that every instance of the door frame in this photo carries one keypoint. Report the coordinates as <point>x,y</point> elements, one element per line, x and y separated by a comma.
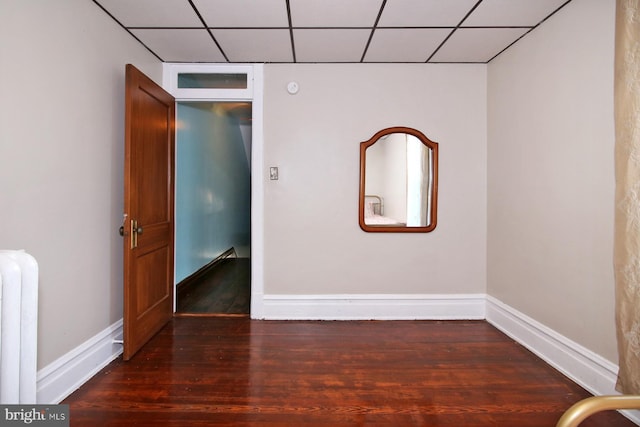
<point>254,93</point>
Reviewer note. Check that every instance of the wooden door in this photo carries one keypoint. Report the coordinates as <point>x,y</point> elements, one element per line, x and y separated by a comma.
<point>148,207</point>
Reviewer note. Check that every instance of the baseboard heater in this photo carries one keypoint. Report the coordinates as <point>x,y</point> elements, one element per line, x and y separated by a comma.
<point>183,285</point>
<point>18,327</point>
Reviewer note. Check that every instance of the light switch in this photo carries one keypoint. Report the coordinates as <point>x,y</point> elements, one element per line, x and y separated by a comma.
<point>273,173</point>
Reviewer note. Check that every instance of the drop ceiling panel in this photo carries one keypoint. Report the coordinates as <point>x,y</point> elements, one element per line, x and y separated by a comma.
<point>334,13</point>
<point>476,44</point>
<point>406,45</point>
<point>343,45</point>
<point>511,13</point>
<point>243,13</point>
<point>424,13</point>
<point>146,13</point>
<point>255,45</point>
<point>181,45</point>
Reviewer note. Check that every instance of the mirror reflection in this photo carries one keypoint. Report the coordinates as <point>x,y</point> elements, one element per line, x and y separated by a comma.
<point>398,181</point>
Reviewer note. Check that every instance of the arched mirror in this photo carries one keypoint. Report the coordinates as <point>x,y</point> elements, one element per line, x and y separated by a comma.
<point>398,182</point>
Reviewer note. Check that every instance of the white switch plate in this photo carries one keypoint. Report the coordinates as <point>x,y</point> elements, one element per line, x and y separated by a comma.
<point>273,173</point>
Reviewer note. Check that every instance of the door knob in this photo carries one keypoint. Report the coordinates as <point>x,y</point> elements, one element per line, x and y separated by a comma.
<point>121,230</point>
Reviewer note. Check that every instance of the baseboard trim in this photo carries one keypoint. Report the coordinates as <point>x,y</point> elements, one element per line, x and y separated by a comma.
<point>584,367</point>
<point>65,375</point>
<point>373,307</point>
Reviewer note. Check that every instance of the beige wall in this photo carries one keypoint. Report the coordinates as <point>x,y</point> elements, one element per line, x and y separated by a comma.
<point>313,244</point>
<point>61,159</point>
<point>550,175</point>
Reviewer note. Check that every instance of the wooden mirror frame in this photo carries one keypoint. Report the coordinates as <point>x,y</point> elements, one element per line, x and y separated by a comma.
<point>433,209</point>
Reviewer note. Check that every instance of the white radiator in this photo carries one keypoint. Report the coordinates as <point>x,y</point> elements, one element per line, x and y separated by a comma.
<point>18,327</point>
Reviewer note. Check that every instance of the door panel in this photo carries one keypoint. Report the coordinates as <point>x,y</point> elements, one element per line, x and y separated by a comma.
<point>149,189</point>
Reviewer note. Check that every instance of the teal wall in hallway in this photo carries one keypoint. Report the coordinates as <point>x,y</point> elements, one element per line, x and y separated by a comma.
<point>213,186</point>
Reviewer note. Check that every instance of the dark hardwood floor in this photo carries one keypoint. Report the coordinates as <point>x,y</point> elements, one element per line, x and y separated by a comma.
<point>224,289</point>
<point>233,371</point>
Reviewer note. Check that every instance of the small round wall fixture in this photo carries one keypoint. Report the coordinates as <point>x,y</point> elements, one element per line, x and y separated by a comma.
<point>292,88</point>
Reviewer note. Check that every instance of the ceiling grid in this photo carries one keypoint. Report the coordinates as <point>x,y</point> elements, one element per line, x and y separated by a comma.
<point>329,31</point>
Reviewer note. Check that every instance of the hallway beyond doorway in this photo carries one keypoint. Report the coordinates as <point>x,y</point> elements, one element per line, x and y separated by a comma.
<point>224,290</point>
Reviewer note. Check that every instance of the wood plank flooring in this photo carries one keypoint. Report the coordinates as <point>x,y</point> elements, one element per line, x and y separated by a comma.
<point>233,371</point>
<point>226,289</point>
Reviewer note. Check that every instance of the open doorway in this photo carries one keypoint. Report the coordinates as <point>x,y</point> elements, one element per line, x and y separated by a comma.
<point>213,207</point>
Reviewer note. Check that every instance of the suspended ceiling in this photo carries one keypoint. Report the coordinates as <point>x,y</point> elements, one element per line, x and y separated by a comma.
<point>329,31</point>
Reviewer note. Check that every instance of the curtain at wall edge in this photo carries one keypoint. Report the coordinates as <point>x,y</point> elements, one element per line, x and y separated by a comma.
<point>627,197</point>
